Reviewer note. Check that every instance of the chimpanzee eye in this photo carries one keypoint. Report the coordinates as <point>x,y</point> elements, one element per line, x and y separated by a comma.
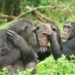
<point>68,26</point>
<point>54,29</point>
<point>64,27</point>
<point>44,34</point>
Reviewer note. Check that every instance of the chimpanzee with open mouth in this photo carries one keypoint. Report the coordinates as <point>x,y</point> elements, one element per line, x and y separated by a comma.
<point>41,31</point>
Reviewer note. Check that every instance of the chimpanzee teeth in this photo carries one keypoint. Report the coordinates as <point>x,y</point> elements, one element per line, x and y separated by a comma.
<point>40,49</point>
<point>43,49</point>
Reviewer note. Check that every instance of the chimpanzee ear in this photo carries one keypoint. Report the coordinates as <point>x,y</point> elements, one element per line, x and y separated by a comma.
<point>24,28</point>
<point>54,27</point>
<point>35,29</point>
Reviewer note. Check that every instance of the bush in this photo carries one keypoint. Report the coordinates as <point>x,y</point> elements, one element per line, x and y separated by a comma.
<point>60,67</point>
<point>51,67</point>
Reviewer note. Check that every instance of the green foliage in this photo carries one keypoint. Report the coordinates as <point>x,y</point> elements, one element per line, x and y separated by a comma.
<point>4,71</point>
<point>65,12</point>
<point>51,67</point>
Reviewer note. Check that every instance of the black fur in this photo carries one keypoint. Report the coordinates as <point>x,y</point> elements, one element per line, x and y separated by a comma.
<point>67,48</point>
<point>16,45</point>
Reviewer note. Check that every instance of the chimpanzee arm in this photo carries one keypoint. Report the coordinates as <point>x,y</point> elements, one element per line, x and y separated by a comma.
<point>10,58</point>
<point>56,47</point>
<point>19,41</point>
<point>22,44</point>
<point>69,47</point>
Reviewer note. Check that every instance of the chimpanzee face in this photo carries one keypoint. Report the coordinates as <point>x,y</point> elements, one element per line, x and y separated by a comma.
<point>43,30</point>
<point>42,36</point>
<point>67,30</point>
<point>28,34</point>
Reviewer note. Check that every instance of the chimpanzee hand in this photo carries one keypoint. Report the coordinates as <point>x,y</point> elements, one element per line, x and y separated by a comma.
<point>17,39</point>
<point>22,44</point>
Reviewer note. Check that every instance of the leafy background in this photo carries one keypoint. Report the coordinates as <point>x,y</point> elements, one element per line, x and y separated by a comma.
<point>65,12</point>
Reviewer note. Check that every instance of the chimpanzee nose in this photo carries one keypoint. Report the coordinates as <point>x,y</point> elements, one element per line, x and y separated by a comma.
<point>65,31</point>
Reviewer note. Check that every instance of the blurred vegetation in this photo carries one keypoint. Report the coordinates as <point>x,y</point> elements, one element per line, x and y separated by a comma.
<point>50,67</point>
<point>64,11</point>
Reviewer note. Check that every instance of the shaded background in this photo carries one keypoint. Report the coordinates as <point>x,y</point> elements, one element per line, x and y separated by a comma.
<point>64,10</point>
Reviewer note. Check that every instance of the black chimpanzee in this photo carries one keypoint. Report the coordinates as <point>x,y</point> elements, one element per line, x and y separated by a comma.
<point>69,34</point>
<point>42,49</point>
<point>16,45</point>
<point>57,48</point>
<point>68,47</point>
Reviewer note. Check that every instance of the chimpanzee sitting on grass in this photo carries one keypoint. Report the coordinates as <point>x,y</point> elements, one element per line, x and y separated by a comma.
<point>16,46</point>
<point>53,35</point>
<point>42,49</point>
<point>67,48</point>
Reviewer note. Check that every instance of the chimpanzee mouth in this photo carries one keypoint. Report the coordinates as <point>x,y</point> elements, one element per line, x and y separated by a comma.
<point>64,37</point>
<point>42,49</point>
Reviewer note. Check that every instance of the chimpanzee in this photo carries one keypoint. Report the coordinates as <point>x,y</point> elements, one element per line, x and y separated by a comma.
<point>68,47</point>
<point>16,45</point>
<point>42,49</point>
<point>68,33</point>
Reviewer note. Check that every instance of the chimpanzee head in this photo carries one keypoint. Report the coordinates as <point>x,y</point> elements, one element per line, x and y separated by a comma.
<point>68,30</point>
<point>24,28</point>
<point>42,30</point>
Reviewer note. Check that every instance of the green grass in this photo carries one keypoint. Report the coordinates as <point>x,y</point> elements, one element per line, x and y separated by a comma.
<point>51,67</point>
